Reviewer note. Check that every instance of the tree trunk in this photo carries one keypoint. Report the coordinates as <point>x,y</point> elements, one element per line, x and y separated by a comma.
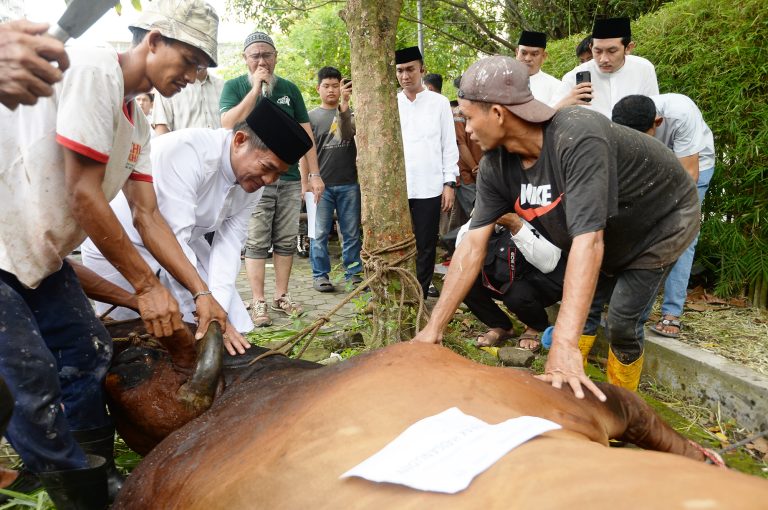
<point>372,27</point>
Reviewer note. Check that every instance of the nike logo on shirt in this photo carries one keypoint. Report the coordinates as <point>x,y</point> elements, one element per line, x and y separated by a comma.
<point>535,196</point>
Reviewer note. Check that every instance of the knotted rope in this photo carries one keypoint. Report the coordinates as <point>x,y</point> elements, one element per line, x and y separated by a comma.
<point>377,267</point>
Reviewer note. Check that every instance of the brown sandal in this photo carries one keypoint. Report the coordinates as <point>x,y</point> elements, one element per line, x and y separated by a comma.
<point>531,337</point>
<point>492,337</point>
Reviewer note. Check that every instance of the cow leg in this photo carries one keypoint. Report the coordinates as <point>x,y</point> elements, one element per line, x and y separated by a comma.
<point>634,421</point>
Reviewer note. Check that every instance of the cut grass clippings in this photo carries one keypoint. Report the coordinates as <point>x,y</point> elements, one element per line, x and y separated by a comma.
<point>735,333</point>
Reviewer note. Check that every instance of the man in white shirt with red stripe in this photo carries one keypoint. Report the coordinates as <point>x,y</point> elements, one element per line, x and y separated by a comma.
<point>62,161</point>
<point>431,157</point>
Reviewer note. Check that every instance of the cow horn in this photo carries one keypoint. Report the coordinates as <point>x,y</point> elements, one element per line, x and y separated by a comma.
<point>199,390</point>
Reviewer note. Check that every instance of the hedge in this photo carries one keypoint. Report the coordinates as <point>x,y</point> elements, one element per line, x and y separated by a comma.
<point>714,51</point>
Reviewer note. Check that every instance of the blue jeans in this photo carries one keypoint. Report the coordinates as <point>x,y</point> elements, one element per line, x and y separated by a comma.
<point>345,199</point>
<point>676,286</point>
<point>54,352</point>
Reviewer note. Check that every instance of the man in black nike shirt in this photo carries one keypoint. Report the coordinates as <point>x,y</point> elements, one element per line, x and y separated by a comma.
<point>618,202</point>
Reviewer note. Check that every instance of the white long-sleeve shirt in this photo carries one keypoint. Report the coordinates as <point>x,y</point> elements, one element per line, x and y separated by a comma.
<point>196,194</point>
<point>542,254</point>
<point>636,76</point>
<point>429,143</point>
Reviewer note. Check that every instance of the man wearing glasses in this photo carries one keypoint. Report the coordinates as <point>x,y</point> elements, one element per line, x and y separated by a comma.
<point>275,220</point>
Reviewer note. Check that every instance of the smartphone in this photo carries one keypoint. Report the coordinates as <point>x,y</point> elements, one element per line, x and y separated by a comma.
<point>584,76</point>
<point>344,81</point>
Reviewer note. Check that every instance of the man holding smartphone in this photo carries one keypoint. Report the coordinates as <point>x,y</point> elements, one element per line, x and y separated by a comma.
<point>611,74</point>
<point>333,126</point>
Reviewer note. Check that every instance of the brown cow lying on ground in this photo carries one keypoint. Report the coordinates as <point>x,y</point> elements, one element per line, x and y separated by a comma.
<point>281,434</point>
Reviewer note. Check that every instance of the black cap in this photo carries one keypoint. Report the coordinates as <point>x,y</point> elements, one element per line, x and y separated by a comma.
<point>611,28</point>
<point>281,133</point>
<point>408,55</point>
<point>533,39</point>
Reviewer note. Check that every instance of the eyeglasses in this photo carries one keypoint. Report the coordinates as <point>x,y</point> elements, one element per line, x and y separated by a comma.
<point>267,55</point>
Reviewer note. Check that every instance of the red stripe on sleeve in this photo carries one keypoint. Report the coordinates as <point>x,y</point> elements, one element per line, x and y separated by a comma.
<point>136,176</point>
<point>82,149</point>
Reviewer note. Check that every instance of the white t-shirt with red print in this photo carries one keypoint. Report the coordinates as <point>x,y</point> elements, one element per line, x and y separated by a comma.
<point>86,114</point>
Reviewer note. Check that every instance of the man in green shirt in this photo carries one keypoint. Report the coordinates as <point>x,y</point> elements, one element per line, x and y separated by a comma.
<point>275,220</point>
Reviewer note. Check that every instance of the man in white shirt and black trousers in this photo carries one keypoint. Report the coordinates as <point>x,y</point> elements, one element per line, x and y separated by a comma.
<point>431,158</point>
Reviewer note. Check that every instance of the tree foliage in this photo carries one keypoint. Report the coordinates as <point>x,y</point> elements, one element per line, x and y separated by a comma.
<point>486,26</point>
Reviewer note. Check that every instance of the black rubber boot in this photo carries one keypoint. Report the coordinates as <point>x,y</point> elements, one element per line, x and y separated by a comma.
<point>101,442</point>
<point>78,489</point>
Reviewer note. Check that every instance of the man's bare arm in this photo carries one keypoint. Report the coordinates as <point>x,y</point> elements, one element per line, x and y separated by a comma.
<point>462,273</point>
<point>243,108</point>
<point>99,289</point>
<point>691,165</point>
<point>241,111</point>
<point>90,208</point>
<point>159,239</point>
<point>564,363</point>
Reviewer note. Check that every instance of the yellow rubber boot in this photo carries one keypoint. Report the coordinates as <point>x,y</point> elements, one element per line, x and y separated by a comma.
<point>625,376</point>
<point>585,345</point>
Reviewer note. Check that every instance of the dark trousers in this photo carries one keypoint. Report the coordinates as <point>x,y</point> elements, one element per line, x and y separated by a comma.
<point>54,353</point>
<point>425,215</point>
<point>630,295</point>
<point>527,298</point>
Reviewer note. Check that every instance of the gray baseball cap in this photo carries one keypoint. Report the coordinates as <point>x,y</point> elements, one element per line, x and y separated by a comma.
<point>503,80</point>
<point>190,21</point>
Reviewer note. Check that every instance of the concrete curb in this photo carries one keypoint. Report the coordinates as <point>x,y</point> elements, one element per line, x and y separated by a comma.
<point>719,383</point>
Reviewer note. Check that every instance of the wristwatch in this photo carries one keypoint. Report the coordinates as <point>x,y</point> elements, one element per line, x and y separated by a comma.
<point>309,176</point>
<point>450,184</point>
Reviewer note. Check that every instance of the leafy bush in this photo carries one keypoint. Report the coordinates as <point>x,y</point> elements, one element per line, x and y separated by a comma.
<point>714,52</point>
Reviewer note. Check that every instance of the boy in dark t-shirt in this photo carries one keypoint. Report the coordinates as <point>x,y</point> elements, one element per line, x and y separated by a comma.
<point>619,203</point>
<point>334,128</point>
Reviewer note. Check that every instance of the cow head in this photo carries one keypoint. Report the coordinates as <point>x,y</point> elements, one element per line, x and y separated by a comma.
<point>153,392</point>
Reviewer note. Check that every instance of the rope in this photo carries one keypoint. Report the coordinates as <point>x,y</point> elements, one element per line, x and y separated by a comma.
<point>378,268</point>
<point>742,442</point>
<point>109,310</point>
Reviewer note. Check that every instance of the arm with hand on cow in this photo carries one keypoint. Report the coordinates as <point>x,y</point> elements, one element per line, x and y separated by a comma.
<point>465,266</point>
<point>161,242</point>
<point>564,362</point>
<point>99,289</point>
<point>84,177</point>
<point>224,267</point>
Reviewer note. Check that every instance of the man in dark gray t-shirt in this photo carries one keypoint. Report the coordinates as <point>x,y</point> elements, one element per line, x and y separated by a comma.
<point>618,202</point>
<point>334,129</point>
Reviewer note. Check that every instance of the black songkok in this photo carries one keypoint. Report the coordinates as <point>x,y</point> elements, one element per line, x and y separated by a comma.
<point>408,55</point>
<point>279,132</point>
<point>533,39</point>
<point>611,28</point>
